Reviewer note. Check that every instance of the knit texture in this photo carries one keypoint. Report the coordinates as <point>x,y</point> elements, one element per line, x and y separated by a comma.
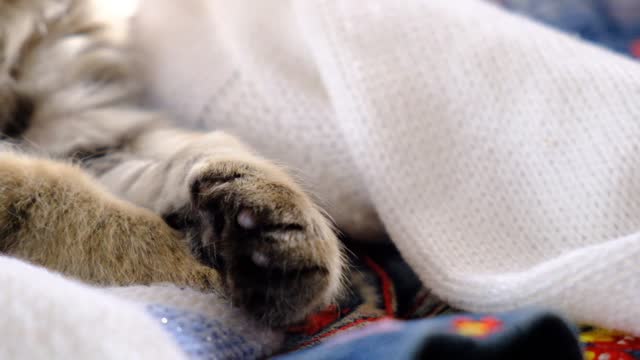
<point>47,316</point>
<point>502,157</point>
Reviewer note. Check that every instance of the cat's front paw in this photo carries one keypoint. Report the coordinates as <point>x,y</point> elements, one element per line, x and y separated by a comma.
<point>277,251</point>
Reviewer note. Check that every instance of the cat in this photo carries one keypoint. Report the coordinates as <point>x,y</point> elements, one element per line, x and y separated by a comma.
<point>97,186</point>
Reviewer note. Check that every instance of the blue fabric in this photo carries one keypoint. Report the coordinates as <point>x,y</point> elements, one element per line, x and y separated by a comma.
<point>614,24</point>
<point>201,337</point>
<point>518,335</point>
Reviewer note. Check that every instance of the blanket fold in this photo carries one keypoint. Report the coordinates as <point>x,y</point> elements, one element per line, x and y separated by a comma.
<point>500,156</point>
<point>45,316</point>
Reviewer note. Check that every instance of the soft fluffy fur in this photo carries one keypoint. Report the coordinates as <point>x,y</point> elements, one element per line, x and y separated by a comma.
<point>201,210</point>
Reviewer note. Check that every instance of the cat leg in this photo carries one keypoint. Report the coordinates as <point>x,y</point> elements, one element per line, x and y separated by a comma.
<point>54,215</point>
<point>276,249</point>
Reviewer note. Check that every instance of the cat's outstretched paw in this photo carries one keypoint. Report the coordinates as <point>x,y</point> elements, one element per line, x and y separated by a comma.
<point>278,253</point>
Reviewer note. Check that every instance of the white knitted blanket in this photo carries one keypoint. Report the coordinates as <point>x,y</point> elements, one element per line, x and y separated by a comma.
<point>46,316</point>
<point>502,157</point>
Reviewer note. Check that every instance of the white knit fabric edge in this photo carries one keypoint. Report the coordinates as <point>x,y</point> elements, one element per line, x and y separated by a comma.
<point>45,316</point>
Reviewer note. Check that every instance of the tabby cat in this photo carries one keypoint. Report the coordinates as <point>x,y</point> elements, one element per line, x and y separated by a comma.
<point>95,185</point>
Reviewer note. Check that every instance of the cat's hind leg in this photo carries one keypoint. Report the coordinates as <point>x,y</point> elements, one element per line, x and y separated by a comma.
<point>54,215</point>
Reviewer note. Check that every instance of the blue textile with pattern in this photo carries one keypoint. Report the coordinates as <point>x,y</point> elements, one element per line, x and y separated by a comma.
<point>521,335</point>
